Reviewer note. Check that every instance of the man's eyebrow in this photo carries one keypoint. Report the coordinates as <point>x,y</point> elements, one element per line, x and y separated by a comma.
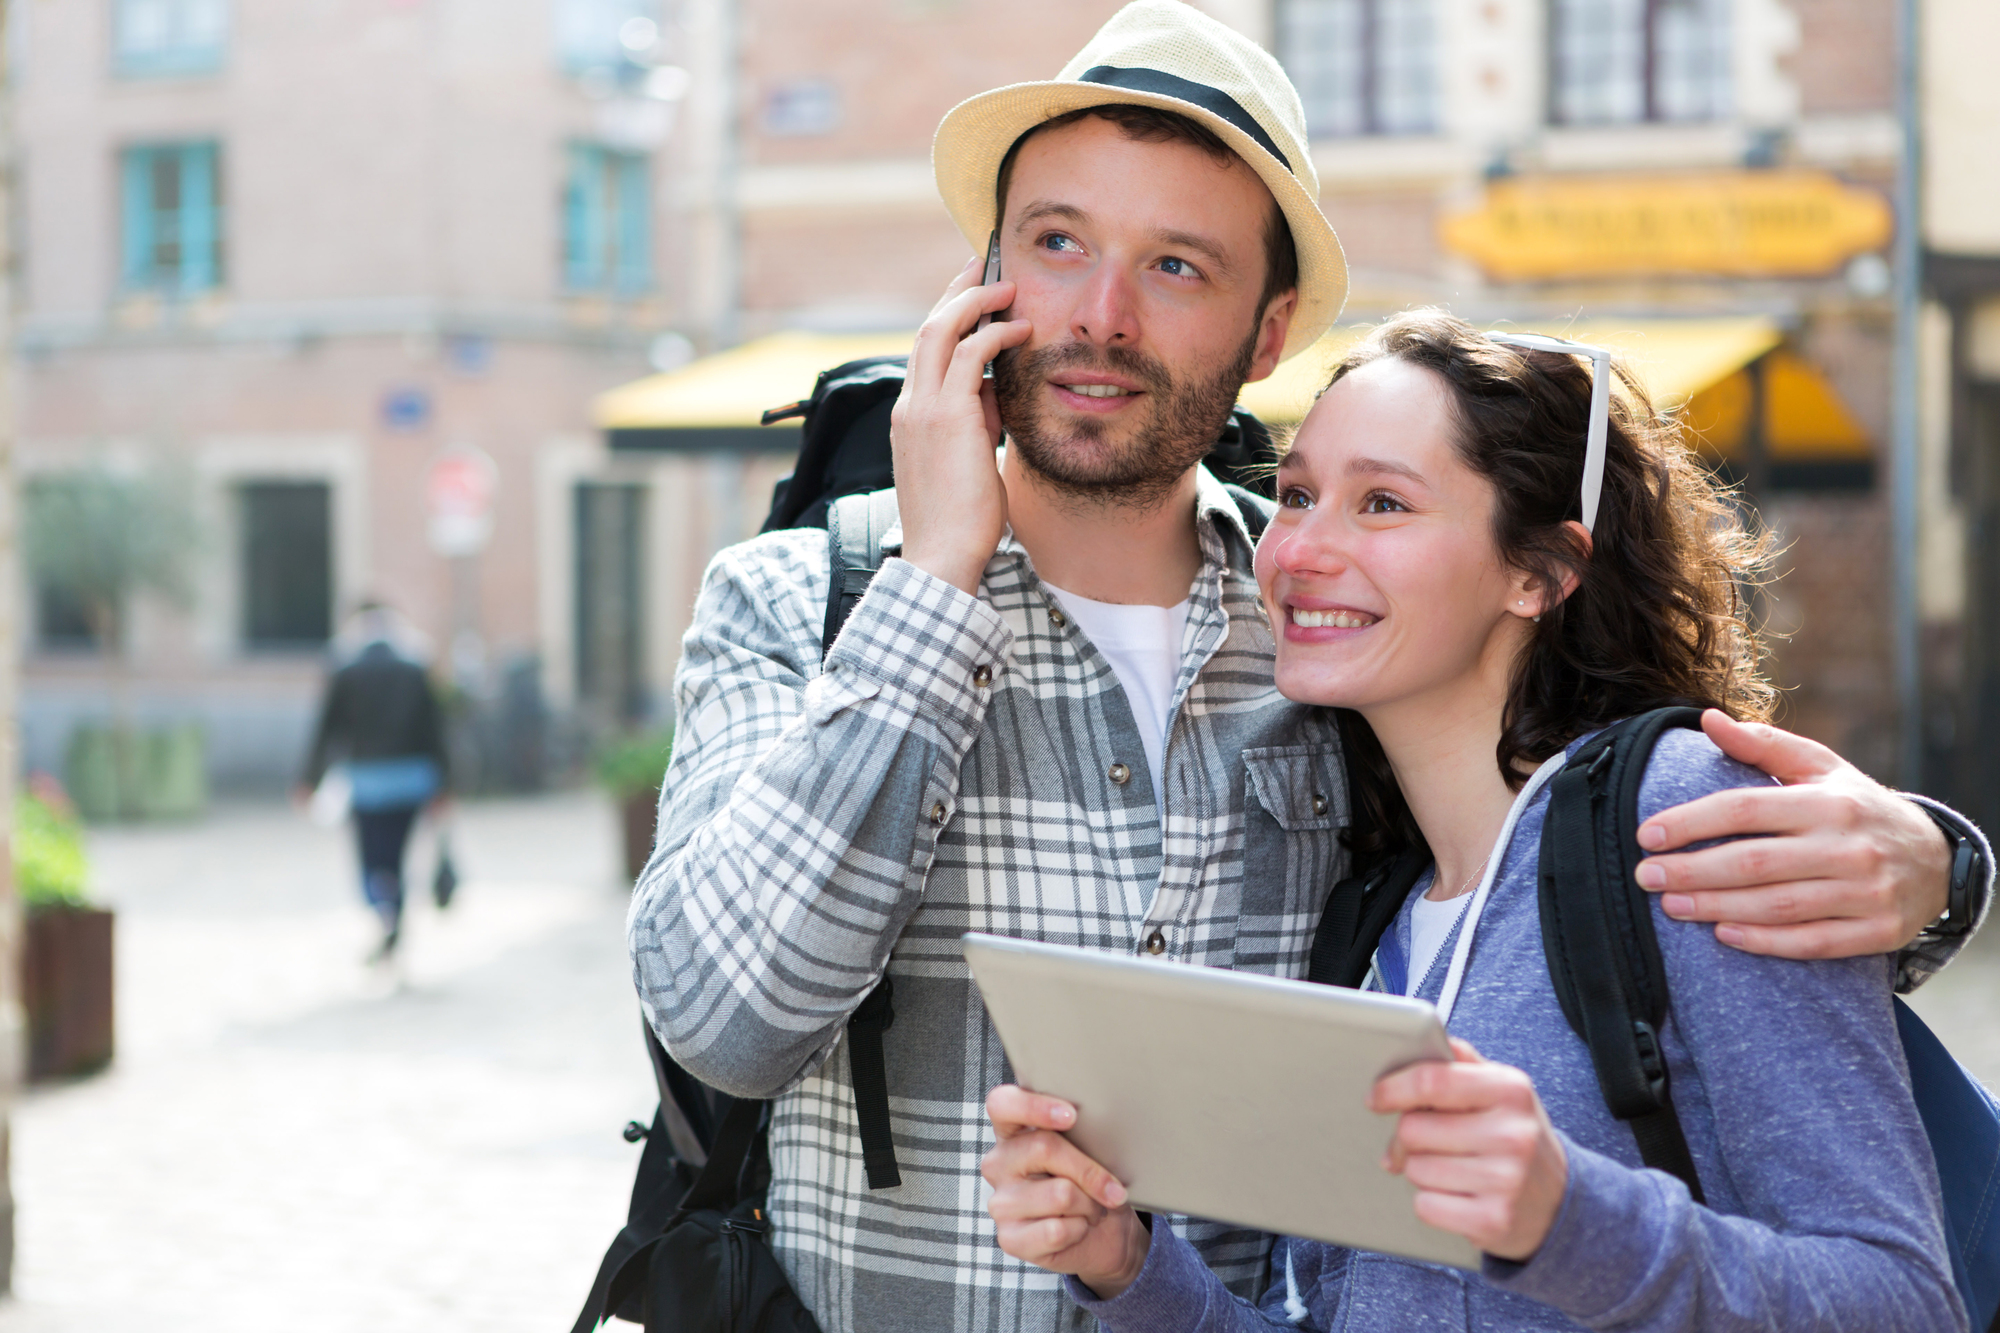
<point>1361,466</point>
<point>1049,208</point>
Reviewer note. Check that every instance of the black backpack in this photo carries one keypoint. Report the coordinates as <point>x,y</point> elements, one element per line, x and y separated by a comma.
<point>686,1225</point>
<point>1604,961</point>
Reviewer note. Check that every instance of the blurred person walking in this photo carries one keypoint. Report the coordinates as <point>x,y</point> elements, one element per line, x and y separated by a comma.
<point>381,721</point>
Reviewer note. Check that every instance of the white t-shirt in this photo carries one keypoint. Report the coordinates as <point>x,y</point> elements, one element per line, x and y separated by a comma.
<point>1143,645</point>
<point>1430,922</point>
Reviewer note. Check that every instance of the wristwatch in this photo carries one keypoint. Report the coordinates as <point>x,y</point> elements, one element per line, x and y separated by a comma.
<point>1968,877</point>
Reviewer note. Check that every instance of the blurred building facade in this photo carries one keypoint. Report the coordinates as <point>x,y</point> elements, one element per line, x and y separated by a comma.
<point>1959,367</point>
<point>311,249</point>
<point>287,257</point>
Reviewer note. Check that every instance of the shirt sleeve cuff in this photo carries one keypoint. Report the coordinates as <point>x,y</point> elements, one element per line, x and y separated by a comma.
<point>1171,1290</point>
<point>1602,1247</point>
<point>929,644</point>
<point>1928,954</point>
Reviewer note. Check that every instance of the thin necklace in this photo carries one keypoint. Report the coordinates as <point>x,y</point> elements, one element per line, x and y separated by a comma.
<point>1470,878</point>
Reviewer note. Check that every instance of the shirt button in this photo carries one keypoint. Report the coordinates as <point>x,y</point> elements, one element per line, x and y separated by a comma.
<point>1057,618</point>
<point>1119,774</point>
<point>1156,943</point>
<point>983,677</point>
<point>1319,804</point>
<point>937,813</point>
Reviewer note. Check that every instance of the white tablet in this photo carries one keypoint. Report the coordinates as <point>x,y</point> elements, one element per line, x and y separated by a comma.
<point>1223,1095</point>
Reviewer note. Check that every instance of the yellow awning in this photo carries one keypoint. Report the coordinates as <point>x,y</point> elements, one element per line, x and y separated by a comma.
<point>1675,359</point>
<point>706,403</point>
<point>1694,366</point>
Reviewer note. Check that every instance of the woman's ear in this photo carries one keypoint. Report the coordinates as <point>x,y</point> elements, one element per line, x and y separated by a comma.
<point>1530,593</point>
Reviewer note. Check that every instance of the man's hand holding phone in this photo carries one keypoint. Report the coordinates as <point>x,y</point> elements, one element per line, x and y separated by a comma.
<point>945,428</point>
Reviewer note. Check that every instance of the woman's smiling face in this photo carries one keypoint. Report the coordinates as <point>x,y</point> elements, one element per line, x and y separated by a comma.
<point>1380,571</point>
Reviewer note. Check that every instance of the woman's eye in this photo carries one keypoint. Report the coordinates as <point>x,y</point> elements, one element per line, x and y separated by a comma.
<point>1381,502</point>
<point>1294,498</point>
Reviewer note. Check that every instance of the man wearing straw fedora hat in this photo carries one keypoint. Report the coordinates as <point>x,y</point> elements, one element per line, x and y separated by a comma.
<point>1053,716</point>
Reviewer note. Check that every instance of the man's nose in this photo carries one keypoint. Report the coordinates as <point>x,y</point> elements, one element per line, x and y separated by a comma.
<point>1106,312</point>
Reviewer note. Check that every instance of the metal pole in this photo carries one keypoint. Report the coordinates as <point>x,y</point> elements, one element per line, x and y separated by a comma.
<point>1903,430</point>
<point>13,1026</point>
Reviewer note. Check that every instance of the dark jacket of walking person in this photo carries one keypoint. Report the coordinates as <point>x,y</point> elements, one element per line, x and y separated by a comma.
<point>383,720</point>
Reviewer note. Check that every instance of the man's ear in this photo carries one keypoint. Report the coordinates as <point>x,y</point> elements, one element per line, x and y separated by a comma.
<point>1272,328</point>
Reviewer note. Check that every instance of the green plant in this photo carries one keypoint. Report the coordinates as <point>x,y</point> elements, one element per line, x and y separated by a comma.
<point>634,763</point>
<point>49,865</point>
<point>97,536</point>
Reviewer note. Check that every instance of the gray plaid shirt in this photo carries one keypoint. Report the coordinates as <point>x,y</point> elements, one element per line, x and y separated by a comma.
<point>959,764</point>
<point>818,826</point>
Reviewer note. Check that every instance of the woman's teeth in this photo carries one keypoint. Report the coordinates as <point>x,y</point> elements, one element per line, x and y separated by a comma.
<point>1098,390</point>
<point>1336,619</point>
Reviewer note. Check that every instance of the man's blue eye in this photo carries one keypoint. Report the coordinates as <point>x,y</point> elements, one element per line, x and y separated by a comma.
<point>1176,267</point>
<point>1056,242</point>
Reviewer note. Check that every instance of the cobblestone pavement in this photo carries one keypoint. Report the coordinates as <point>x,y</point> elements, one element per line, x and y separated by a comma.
<point>290,1141</point>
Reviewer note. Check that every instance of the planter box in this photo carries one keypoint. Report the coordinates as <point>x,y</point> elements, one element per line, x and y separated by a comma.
<point>121,773</point>
<point>66,990</point>
<point>639,813</point>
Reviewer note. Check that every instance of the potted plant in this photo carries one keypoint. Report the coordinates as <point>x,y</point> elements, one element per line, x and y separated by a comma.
<point>66,963</point>
<point>632,769</point>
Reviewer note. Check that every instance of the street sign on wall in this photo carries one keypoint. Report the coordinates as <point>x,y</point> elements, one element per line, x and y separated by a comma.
<point>458,495</point>
<point>1726,223</point>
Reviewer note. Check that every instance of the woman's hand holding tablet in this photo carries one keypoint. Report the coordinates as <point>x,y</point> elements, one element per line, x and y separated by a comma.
<point>1053,1206</point>
<point>1475,1141</point>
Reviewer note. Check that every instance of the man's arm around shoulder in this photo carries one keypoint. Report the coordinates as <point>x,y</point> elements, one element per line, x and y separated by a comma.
<point>803,805</point>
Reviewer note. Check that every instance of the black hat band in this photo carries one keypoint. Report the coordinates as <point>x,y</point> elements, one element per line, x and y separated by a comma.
<point>1187,90</point>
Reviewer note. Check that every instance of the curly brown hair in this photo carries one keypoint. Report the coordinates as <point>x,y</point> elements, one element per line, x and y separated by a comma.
<point>1658,615</point>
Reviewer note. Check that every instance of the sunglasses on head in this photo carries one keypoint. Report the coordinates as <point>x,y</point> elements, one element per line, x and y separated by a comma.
<point>1600,407</point>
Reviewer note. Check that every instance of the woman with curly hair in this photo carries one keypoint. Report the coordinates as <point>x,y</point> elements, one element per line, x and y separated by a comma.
<point>1448,569</point>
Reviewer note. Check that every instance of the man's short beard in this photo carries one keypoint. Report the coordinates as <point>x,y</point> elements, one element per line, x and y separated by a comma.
<point>1184,420</point>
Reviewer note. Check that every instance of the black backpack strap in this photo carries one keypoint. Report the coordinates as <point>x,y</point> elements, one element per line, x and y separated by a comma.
<point>1598,936</point>
<point>1358,912</point>
<point>855,527</point>
<point>871,1086</point>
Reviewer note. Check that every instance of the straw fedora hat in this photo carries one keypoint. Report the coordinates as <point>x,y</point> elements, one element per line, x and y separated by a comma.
<point>1166,54</point>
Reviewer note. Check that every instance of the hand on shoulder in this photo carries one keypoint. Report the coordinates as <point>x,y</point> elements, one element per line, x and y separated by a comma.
<point>1828,863</point>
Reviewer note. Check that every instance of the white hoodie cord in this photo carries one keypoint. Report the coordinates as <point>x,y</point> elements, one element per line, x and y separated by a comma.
<point>1295,1309</point>
<point>1463,951</point>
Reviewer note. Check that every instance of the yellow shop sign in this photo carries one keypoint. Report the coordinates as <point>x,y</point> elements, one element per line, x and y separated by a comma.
<point>1734,224</point>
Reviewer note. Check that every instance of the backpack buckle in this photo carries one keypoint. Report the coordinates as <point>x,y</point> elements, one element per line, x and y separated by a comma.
<point>1652,1061</point>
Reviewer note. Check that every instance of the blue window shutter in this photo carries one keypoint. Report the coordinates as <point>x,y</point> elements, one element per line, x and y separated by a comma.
<point>585,227</point>
<point>137,188</point>
<point>200,220</point>
<point>169,37</point>
<point>635,223</point>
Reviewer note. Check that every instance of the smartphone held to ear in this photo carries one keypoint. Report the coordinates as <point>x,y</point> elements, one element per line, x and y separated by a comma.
<point>992,275</point>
